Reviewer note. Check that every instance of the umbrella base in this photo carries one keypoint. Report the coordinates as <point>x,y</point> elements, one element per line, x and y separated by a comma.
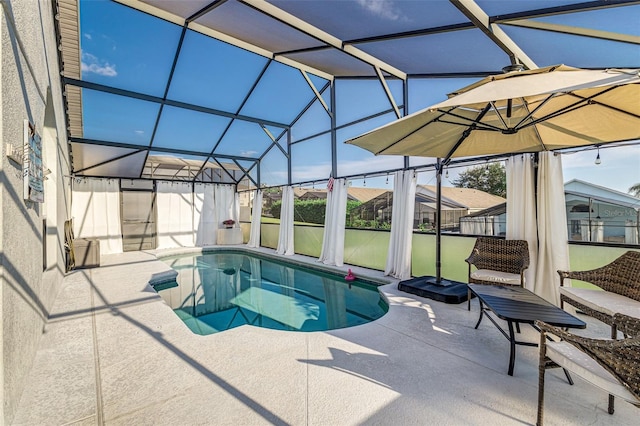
<point>446,291</point>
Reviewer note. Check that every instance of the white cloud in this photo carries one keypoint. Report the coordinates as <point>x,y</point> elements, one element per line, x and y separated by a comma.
<point>248,153</point>
<point>301,174</point>
<point>139,132</point>
<point>87,36</point>
<point>92,64</point>
<point>382,8</point>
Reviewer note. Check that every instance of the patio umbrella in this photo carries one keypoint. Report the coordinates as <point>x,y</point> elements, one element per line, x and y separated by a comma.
<point>516,112</point>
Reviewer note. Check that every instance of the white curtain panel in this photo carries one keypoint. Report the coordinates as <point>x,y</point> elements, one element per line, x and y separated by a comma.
<point>466,226</point>
<point>203,215</point>
<point>488,225</point>
<point>226,204</point>
<point>95,209</point>
<point>235,207</point>
<point>477,225</point>
<point>596,234</point>
<point>521,209</point>
<point>334,222</point>
<point>585,233</point>
<point>285,238</point>
<point>496,225</point>
<point>630,232</point>
<point>174,202</point>
<point>399,254</point>
<point>256,217</point>
<point>553,251</point>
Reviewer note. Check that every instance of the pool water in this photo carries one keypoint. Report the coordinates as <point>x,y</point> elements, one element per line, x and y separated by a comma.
<point>218,291</point>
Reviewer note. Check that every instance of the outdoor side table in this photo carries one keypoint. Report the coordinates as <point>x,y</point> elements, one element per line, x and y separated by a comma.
<point>518,305</point>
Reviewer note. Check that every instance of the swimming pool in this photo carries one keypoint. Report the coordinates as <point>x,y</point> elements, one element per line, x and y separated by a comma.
<point>219,290</point>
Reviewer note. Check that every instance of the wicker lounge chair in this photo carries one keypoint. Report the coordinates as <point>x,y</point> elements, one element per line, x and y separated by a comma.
<point>497,262</point>
<point>612,365</point>
<point>620,281</point>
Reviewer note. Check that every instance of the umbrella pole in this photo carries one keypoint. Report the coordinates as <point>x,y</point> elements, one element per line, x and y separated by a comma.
<point>435,287</point>
<point>438,220</point>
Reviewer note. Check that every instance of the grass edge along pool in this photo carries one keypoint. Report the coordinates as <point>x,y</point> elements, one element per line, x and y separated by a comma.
<point>222,289</point>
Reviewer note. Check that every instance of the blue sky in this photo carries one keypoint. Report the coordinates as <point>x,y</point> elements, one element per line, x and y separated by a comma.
<point>137,53</point>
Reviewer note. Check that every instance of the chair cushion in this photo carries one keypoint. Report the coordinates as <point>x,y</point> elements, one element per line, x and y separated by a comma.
<point>568,356</point>
<point>603,301</point>
<point>496,276</point>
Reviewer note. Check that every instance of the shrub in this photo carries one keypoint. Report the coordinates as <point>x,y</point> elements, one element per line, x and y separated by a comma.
<point>307,211</point>
<point>310,211</point>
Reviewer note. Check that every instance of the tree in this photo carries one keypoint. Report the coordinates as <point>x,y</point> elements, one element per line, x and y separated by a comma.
<point>491,178</point>
<point>635,190</point>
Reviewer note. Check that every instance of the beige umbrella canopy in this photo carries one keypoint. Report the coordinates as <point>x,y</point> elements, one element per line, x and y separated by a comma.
<point>520,111</point>
<point>527,111</point>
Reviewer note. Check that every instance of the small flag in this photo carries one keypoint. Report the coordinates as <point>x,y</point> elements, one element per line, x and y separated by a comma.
<point>330,184</point>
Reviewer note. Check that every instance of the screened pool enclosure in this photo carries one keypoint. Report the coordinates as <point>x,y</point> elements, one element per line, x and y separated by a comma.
<point>264,93</point>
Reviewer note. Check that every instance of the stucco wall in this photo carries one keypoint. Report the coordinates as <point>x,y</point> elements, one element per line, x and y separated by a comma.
<point>29,70</point>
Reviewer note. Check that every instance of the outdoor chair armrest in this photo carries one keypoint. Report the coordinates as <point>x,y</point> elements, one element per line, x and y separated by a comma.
<point>556,331</point>
<point>579,341</point>
<point>472,257</point>
<point>576,275</point>
<point>630,326</point>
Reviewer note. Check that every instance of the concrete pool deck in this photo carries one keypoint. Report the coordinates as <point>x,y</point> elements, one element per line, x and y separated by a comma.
<point>113,352</point>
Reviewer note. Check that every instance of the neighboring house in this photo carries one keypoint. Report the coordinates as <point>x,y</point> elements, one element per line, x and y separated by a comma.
<point>491,221</point>
<point>614,216</point>
<point>353,194</point>
<point>377,208</point>
<point>456,202</point>
<point>310,194</point>
<point>364,194</point>
<point>268,199</point>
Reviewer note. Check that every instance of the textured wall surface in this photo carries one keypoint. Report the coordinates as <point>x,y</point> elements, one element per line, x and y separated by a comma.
<point>30,80</point>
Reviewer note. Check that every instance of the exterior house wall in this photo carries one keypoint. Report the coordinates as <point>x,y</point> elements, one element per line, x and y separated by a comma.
<point>613,219</point>
<point>597,191</point>
<point>31,279</point>
<point>614,215</point>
